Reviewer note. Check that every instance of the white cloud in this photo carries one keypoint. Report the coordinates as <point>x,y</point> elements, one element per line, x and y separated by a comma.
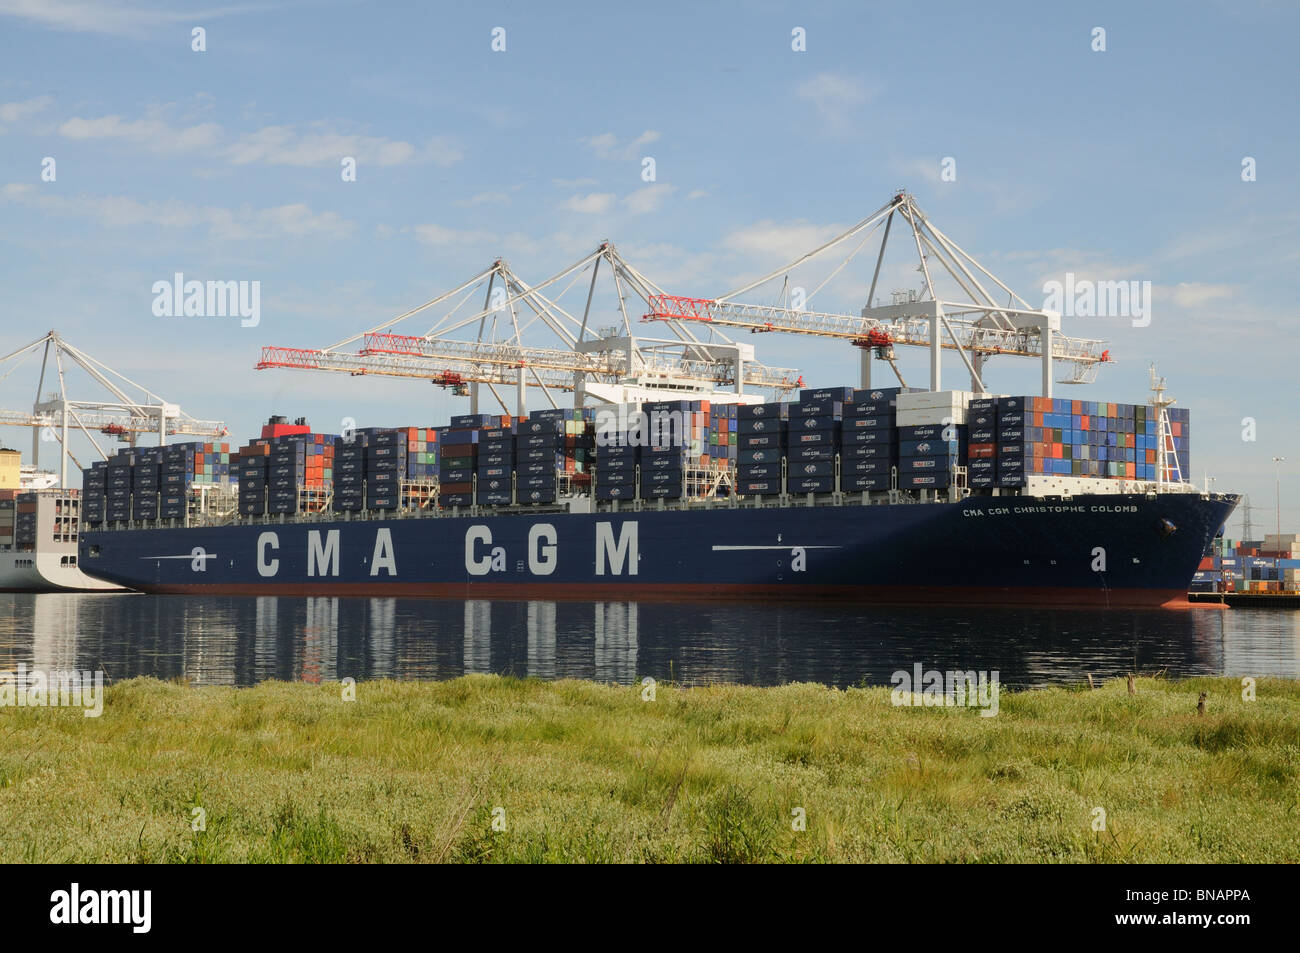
<point>606,145</point>
<point>484,198</point>
<point>104,16</point>
<point>154,135</point>
<point>441,235</point>
<point>784,241</point>
<point>572,183</point>
<point>113,211</point>
<point>15,112</point>
<point>835,97</point>
<point>1193,294</point>
<point>596,203</point>
<point>648,199</point>
<point>315,145</point>
<point>922,170</point>
<point>298,219</point>
<point>284,145</point>
<point>697,194</point>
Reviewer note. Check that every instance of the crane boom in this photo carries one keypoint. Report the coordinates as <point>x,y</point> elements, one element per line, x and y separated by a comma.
<point>964,317</point>
<point>394,355</point>
<point>866,332</point>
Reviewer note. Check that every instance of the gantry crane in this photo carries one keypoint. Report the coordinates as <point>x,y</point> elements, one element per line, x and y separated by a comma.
<point>977,326</point>
<point>614,364</point>
<point>131,411</point>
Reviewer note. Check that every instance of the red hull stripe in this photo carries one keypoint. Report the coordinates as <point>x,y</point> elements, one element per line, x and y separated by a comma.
<point>673,592</point>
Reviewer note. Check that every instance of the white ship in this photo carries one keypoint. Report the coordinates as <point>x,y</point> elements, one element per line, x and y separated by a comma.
<point>38,544</point>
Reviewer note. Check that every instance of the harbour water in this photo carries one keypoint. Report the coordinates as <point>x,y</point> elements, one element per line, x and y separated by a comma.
<point>242,641</point>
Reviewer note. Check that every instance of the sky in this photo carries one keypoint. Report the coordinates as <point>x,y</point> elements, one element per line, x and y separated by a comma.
<point>1035,149</point>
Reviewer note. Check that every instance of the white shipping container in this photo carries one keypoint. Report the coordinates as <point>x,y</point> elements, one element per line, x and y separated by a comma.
<point>931,415</point>
<point>940,398</point>
<point>933,407</point>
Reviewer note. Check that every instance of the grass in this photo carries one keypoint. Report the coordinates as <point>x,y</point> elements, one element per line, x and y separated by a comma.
<point>490,769</point>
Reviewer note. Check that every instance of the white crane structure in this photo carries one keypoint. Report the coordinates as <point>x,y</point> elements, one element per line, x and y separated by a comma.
<point>128,411</point>
<point>969,318</point>
<point>494,345</point>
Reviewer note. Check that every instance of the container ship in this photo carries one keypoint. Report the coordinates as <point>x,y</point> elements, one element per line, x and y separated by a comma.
<point>873,494</point>
<point>38,543</point>
<point>661,482</point>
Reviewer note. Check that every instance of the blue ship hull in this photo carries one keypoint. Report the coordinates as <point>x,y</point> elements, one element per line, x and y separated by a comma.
<point>1113,550</point>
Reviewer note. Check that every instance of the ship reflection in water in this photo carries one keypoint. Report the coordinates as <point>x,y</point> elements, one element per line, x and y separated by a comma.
<point>242,641</point>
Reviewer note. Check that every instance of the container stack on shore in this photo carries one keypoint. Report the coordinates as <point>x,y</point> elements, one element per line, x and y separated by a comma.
<point>1268,565</point>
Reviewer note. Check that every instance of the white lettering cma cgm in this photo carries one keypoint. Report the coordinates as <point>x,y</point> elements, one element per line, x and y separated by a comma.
<point>616,554</point>
<point>323,553</point>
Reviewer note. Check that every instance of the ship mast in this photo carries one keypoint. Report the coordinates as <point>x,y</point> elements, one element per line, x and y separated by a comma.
<point>1164,433</point>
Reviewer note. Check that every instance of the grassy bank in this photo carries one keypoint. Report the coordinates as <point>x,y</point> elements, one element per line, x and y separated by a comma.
<point>586,772</point>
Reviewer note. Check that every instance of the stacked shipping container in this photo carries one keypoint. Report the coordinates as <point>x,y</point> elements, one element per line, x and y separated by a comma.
<point>1047,436</point>
<point>458,459</point>
<point>870,450</point>
<point>831,439</point>
<point>763,435</point>
<point>814,438</point>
